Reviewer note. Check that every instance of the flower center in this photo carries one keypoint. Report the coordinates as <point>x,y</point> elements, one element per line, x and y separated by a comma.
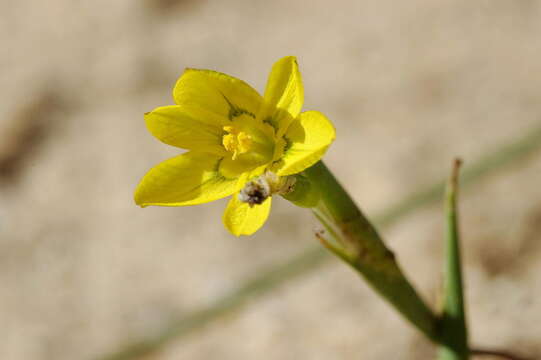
<point>235,141</point>
<point>248,141</point>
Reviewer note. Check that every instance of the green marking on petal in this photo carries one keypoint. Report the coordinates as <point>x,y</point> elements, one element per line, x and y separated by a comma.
<point>236,111</point>
<point>288,143</point>
<point>271,122</point>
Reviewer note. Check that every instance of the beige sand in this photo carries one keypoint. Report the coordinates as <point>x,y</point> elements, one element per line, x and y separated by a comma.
<point>408,85</point>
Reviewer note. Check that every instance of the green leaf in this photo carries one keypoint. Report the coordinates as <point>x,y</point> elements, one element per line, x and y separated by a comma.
<point>454,332</point>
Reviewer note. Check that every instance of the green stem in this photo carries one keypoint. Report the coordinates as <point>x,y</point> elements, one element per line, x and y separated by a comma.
<point>266,280</point>
<point>453,321</point>
<point>364,250</point>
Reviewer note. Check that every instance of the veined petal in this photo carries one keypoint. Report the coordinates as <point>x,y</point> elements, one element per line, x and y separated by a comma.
<point>284,94</point>
<point>219,93</point>
<point>234,168</point>
<point>188,179</point>
<point>308,137</point>
<point>241,219</point>
<point>187,127</point>
<point>241,167</point>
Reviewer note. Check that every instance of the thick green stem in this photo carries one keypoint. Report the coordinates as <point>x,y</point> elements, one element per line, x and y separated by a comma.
<point>361,246</point>
<point>454,332</point>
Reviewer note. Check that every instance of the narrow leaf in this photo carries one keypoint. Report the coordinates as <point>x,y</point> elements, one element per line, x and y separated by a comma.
<point>454,333</point>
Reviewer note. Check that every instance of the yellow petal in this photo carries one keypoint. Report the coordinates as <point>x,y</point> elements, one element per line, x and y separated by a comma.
<point>308,137</point>
<point>234,168</point>
<point>218,93</point>
<point>188,179</point>
<point>285,93</point>
<point>187,127</point>
<point>241,219</point>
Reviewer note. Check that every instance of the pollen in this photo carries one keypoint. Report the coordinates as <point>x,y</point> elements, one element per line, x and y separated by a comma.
<point>235,141</point>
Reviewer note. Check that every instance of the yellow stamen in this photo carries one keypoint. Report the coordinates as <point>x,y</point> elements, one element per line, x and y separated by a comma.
<point>237,142</point>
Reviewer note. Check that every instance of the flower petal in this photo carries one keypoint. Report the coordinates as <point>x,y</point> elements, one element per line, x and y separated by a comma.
<point>218,93</point>
<point>308,137</point>
<point>284,92</point>
<point>241,219</point>
<point>235,168</point>
<point>187,127</point>
<point>188,179</point>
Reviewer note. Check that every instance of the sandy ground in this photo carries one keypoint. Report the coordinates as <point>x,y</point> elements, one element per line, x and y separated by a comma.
<point>409,85</point>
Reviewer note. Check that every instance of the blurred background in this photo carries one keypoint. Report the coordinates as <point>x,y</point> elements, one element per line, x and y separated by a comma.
<point>409,85</point>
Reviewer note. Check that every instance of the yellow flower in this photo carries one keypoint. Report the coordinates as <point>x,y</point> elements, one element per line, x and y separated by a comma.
<point>233,136</point>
